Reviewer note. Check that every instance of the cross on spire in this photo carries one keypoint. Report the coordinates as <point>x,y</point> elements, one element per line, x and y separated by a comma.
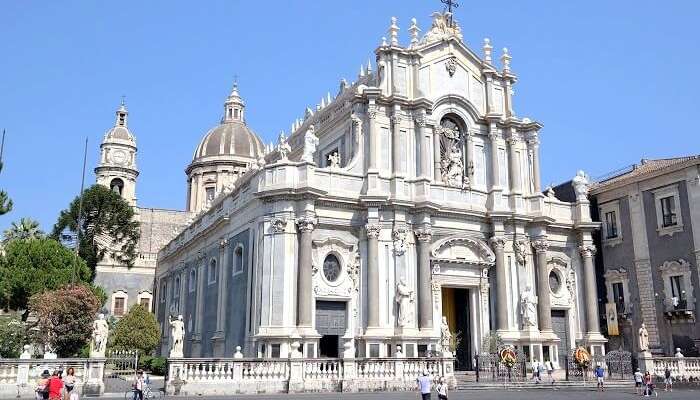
<point>450,4</point>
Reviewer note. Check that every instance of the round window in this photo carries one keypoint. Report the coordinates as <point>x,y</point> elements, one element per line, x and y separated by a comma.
<point>554,281</point>
<point>331,268</point>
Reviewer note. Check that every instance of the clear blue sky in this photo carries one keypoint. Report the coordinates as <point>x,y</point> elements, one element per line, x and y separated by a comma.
<point>612,81</point>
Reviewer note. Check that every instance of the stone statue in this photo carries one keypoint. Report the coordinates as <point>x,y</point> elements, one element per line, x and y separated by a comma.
<point>283,147</point>
<point>445,335</point>
<point>334,160</point>
<point>520,249</point>
<point>643,338</point>
<point>100,331</point>
<point>580,183</point>
<point>310,143</point>
<point>453,166</point>
<point>550,193</point>
<point>404,297</point>
<point>528,308</point>
<point>678,353</point>
<point>177,333</point>
<point>443,27</point>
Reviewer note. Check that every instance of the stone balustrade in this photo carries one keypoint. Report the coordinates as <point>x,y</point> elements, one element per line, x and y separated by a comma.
<point>192,377</point>
<point>19,376</point>
<point>687,368</point>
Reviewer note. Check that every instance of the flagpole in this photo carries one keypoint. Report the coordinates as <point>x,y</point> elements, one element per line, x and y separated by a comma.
<point>2,145</point>
<point>80,212</point>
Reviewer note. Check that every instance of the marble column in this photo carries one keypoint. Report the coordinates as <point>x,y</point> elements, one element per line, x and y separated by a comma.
<point>425,288</point>
<point>222,294</point>
<point>373,274</point>
<point>514,164</point>
<point>424,147</point>
<point>437,175</point>
<point>498,244</point>
<point>305,274</point>
<point>535,148</point>
<point>590,289</point>
<point>544,304</point>
<point>372,133</point>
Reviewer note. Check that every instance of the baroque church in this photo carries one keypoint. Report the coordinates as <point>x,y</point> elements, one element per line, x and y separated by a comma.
<point>405,212</point>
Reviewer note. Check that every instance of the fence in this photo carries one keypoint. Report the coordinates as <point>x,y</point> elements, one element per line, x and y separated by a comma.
<point>489,368</point>
<point>236,375</point>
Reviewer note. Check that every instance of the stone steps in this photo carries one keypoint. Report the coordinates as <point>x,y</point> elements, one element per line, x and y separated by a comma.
<point>463,384</point>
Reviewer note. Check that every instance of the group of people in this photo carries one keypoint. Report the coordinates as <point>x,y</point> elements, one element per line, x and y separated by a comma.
<point>644,383</point>
<point>425,382</point>
<point>538,369</point>
<point>55,386</point>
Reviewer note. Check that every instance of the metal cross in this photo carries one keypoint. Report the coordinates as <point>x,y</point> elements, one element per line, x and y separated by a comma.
<point>450,4</point>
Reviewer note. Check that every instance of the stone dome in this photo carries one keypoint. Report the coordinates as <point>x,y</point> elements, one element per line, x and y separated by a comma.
<point>231,138</point>
<point>119,133</point>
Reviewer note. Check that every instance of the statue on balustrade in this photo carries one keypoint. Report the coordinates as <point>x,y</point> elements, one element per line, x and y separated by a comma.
<point>643,338</point>
<point>445,335</point>
<point>310,143</point>
<point>177,333</point>
<point>100,332</point>
<point>404,297</point>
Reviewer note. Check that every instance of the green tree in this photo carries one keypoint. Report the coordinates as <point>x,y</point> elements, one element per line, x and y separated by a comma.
<point>137,330</point>
<point>12,337</point>
<point>33,266</point>
<point>25,229</point>
<point>107,227</point>
<point>491,343</point>
<point>5,201</point>
<point>64,318</point>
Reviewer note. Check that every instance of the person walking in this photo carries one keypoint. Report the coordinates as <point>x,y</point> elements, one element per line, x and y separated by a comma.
<point>668,380</point>
<point>423,385</point>
<point>55,386</point>
<point>441,389</point>
<point>638,382</point>
<point>69,382</point>
<point>600,376</point>
<point>536,371</point>
<point>540,370</point>
<point>42,386</point>
<point>649,385</point>
<point>550,371</point>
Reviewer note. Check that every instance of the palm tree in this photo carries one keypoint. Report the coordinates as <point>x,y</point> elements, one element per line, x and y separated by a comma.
<point>25,229</point>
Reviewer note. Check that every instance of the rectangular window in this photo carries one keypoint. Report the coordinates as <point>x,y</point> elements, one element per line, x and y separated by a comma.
<point>275,350</point>
<point>619,296</point>
<point>668,211</point>
<point>210,192</point>
<point>119,306</point>
<point>610,225</point>
<point>677,286</point>
<point>374,350</point>
<point>422,350</point>
<point>145,302</point>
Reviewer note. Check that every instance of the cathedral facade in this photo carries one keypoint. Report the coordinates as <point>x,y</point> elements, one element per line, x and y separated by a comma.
<point>406,207</point>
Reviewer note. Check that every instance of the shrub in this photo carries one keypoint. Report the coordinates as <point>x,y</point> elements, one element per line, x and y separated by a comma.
<point>12,337</point>
<point>158,365</point>
<point>137,330</point>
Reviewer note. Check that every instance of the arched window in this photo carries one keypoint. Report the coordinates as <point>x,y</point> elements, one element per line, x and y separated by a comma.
<point>331,268</point>
<point>117,186</point>
<point>176,289</point>
<point>193,280</point>
<point>212,271</point>
<point>452,152</point>
<point>238,260</point>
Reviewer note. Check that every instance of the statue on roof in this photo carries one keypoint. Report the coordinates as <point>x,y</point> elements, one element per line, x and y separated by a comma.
<point>443,27</point>
<point>581,184</point>
<point>310,144</point>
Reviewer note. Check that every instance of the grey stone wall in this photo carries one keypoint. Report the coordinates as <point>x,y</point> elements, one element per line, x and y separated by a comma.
<point>131,283</point>
<point>237,287</point>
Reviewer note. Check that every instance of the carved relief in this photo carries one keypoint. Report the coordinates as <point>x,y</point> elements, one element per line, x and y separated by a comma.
<point>346,284</point>
<point>451,65</point>
<point>306,224</point>
<point>520,249</point>
<point>399,237</point>
<point>463,249</point>
<point>278,225</point>
<point>563,290</point>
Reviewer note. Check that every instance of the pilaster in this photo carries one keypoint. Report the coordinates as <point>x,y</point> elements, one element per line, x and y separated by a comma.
<point>219,338</point>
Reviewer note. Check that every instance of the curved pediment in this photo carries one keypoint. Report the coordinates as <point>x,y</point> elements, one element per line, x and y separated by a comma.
<point>462,249</point>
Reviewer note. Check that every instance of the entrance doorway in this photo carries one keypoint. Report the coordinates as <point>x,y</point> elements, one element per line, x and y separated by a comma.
<point>456,308</point>
<point>560,326</point>
<point>331,325</point>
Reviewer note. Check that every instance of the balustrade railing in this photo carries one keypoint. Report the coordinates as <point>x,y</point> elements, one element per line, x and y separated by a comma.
<point>686,368</point>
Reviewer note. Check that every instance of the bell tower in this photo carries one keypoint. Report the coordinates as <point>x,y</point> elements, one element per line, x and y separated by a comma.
<point>117,167</point>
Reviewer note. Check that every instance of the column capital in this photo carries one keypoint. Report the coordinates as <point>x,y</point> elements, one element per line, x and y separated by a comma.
<point>540,245</point>
<point>373,230</point>
<point>498,242</point>
<point>587,250</point>
<point>395,118</point>
<point>223,242</point>
<point>512,140</point>
<point>306,224</point>
<point>278,225</point>
<point>372,111</point>
<point>424,234</point>
<point>421,120</point>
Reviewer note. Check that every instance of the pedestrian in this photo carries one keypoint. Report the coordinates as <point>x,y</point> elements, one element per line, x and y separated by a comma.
<point>649,385</point>
<point>55,386</point>
<point>69,382</point>
<point>423,385</point>
<point>535,371</point>
<point>668,380</point>
<point>138,385</point>
<point>550,371</point>
<point>441,389</point>
<point>42,386</point>
<point>600,376</point>
<point>540,370</point>
<point>638,382</point>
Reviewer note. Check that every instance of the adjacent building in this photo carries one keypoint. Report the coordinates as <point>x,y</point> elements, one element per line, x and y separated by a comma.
<point>650,245</point>
<point>405,206</point>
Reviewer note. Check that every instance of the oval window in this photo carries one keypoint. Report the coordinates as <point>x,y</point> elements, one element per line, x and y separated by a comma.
<point>554,281</point>
<point>331,268</point>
